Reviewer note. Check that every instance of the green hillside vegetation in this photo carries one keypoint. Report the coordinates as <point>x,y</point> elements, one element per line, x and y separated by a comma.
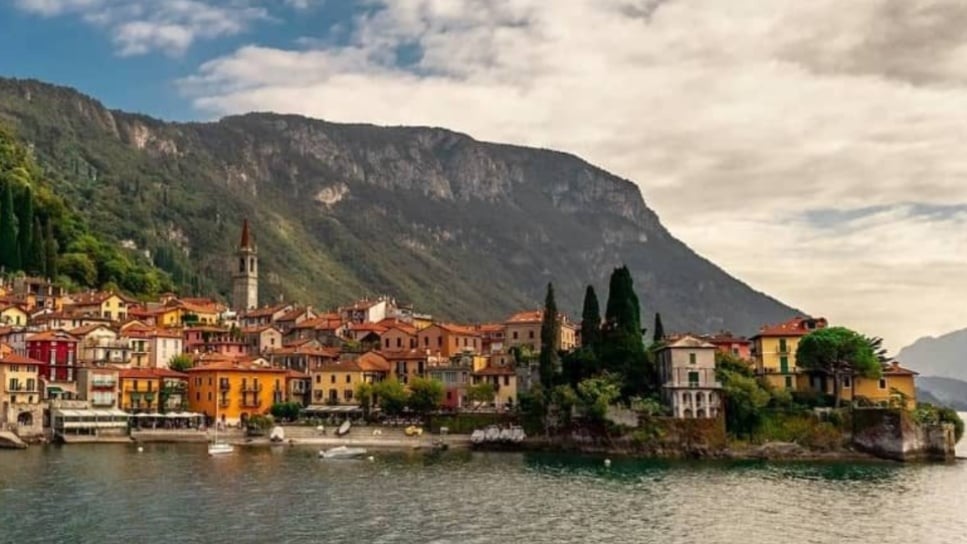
<point>41,236</point>
<point>466,230</point>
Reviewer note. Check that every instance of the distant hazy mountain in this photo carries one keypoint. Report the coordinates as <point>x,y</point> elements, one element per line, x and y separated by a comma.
<point>942,356</point>
<point>945,391</point>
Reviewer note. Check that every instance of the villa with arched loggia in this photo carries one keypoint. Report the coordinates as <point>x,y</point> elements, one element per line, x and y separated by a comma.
<point>686,367</point>
<point>20,403</point>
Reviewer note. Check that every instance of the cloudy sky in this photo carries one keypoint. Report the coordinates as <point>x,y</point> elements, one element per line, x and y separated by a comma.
<point>814,149</point>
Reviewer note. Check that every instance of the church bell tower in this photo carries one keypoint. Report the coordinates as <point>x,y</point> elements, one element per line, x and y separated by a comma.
<point>245,279</point>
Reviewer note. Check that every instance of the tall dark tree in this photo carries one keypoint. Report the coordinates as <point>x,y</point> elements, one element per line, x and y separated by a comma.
<point>623,349</point>
<point>659,335</point>
<point>25,230</point>
<point>550,361</point>
<point>37,257</point>
<point>590,320</point>
<point>50,250</point>
<point>9,250</point>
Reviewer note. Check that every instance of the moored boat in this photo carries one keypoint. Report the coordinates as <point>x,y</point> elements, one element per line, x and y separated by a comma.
<point>342,452</point>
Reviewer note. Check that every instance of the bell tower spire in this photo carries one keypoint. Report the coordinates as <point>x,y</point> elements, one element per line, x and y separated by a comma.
<point>245,278</point>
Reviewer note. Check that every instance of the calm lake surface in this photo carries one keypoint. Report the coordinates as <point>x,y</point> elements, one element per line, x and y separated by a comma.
<point>176,493</point>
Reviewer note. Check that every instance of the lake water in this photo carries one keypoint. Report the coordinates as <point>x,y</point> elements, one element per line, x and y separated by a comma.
<point>176,493</point>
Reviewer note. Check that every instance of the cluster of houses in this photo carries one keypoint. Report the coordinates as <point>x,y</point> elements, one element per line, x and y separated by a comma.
<point>112,355</point>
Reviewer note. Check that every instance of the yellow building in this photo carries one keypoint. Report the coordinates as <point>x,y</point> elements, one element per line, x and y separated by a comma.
<point>14,316</point>
<point>774,350</point>
<point>21,393</point>
<point>103,304</point>
<point>504,380</point>
<point>235,389</point>
<point>151,390</point>
<point>523,329</point>
<point>335,383</point>
<point>178,312</point>
<point>895,387</point>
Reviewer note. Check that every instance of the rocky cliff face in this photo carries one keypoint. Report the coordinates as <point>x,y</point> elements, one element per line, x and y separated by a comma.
<point>465,229</point>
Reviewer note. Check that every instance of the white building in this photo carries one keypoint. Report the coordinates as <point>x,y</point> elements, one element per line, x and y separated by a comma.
<point>686,367</point>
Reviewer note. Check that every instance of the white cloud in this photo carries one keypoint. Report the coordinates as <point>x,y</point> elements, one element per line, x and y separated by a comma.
<point>736,118</point>
<point>141,26</point>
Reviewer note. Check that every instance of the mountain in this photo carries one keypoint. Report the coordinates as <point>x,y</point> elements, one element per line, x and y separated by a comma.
<point>944,391</point>
<point>938,356</point>
<point>462,228</point>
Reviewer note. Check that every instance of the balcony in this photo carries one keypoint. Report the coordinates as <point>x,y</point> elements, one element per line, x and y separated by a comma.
<point>251,403</point>
<point>104,382</point>
<point>251,388</point>
<point>20,388</point>
<point>223,403</point>
<point>224,386</point>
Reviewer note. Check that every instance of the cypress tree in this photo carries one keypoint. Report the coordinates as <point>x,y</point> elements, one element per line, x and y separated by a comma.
<point>590,320</point>
<point>9,250</point>
<point>50,251</point>
<point>25,232</point>
<point>37,258</point>
<point>550,360</point>
<point>623,350</point>
<point>659,329</point>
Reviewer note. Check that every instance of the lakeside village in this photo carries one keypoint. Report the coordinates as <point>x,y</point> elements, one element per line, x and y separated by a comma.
<point>96,366</point>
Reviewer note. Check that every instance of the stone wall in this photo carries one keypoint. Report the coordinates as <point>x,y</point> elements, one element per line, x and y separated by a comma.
<point>892,434</point>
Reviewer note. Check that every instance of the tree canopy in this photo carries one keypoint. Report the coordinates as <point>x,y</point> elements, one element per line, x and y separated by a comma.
<point>549,360</point>
<point>838,352</point>
<point>392,396</point>
<point>426,395</point>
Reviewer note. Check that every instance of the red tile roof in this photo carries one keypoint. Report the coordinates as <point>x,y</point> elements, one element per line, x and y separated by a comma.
<point>266,311</point>
<point>150,373</point>
<point>495,371</point>
<point>57,336</point>
<point>893,368</point>
<point>797,326</point>
<point>14,359</point>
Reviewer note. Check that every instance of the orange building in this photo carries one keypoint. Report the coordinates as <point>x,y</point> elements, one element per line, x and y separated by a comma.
<point>151,390</point>
<point>448,339</point>
<point>235,389</point>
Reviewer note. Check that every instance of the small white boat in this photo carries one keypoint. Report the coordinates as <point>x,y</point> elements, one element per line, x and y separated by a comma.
<point>478,436</point>
<point>220,448</point>
<point>492,433</point>
<point>505,435</point>
<point>344,428</point>
<point>342,452</point>
<point>517,434</point>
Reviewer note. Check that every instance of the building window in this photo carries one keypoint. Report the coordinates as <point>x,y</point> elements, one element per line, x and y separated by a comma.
<point>692,359</point>
<point>506,380</point>
<point>782,346</point>
<point>784,364</point>
<point>349,378</point>
<point>788,382</point>
<point>332,379</point>
<point>515,335</point>
<point>846,382</point>
<point>693,379</point>
<point>530,334</point>
<point>347,394</point>
<point>882,383</point>
<point>439,341</point>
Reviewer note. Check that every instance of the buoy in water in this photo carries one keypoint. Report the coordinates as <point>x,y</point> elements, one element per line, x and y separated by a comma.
<point>140,449</point>
<point>370,458</point>
<point>607,462</point>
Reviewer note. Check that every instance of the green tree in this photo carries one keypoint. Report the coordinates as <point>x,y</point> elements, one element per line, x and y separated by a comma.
<point>659,334</point>
<point>364,394</point>
<point>25,229</point>
<point>840,353</point>
<point>9,250</point>
<point>597,394</point>
<point>286,411</point>
<point>590,320</point>
<point>564,398</point>
<point>392,396</point>
<point>79,267</point>
<point>580,364</point>
<point>550,360</point>
<point>623,349</point>
<point>482,393</point>
<point>38,261</point>
<point>181,363</point>
<point>876,344</point>
<point>50,251</point>
<point>745,402</point>
<point>426,395</point>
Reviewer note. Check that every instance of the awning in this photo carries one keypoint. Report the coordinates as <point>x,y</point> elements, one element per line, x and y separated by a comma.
<point>54,389</point>
<point>326,409</point>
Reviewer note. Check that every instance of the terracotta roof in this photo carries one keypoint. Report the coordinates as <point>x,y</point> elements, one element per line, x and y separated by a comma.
<point>373,363</point>
<point>367,327</point>
<point>293,314</point>
<point>206,328</point>
<point>97,297</point>
<point>533,316</point>
<point>687,341</point>
<point>295,375</point>
<point>458,329</point>
<point>893,368</point>
<point>490,327</point>
<point>725,337</point>
<point>303,350</point>
<point>58,335</point>
<point>83,330</point>
<point>246,241</point>
<point>390,323</point>
<point>797,326</point>
<point>258,329</point>
<point>14,359</point>
<point>150,373</point>
<point>228,365</point>
<point>265,311</point>
<point>404,355</point>
<point>321,322</point>
<point>495,371</point>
